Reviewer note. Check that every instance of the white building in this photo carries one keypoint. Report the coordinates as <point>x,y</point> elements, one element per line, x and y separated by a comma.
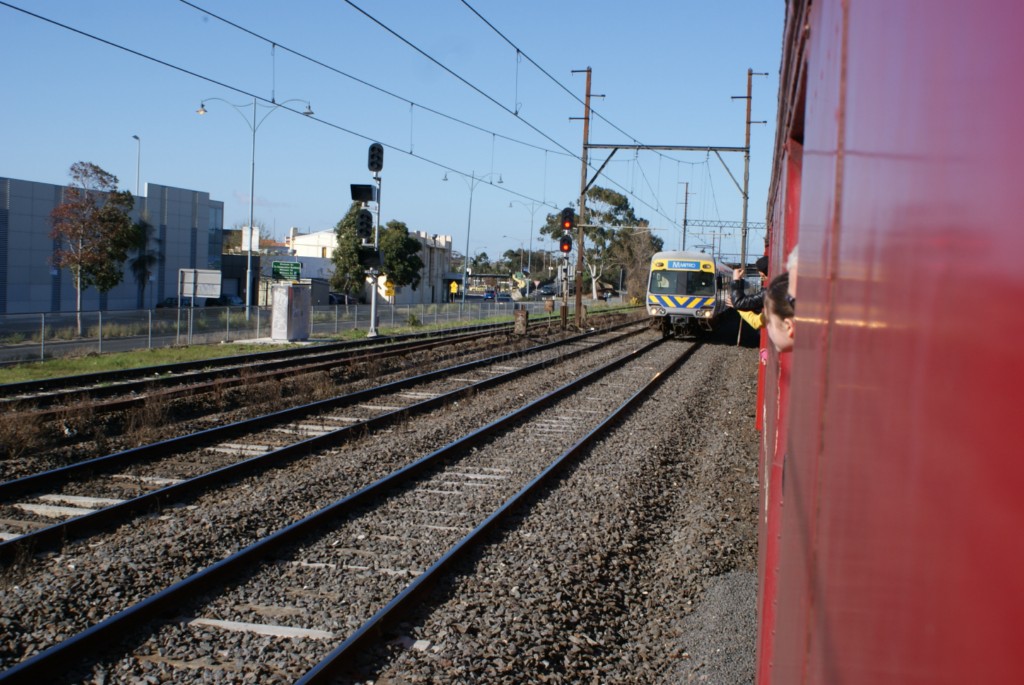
<point>319,244</point>
<point>435,252</point>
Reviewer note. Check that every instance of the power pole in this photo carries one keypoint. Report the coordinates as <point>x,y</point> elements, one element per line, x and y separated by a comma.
<point>746,162</point>
<point>583,206</point>
<point>686,205</point>
<point>746,179</point>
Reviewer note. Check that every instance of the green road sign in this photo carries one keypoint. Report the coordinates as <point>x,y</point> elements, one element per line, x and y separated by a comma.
<point>288,271</point>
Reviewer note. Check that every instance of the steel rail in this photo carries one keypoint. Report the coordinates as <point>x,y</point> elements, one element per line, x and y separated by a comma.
<point>92,641</point>
<point>99,381</point>
<point>224,377</point>
<point>54,536</point>
<point>412,596</point>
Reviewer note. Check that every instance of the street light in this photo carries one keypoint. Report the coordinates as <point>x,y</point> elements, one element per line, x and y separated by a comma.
<point>532,208</point>
<point>138,164</point>
<point>472,181</point>
<point>253,126</point>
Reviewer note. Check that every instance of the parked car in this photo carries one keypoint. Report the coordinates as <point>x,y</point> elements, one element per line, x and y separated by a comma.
<point>225,301</point>
<point>172,303</point>
<point>488,294</point>
<point>339,298</point>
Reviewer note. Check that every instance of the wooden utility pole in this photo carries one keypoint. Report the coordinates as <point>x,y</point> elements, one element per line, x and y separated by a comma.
<point>581,215</point>
<point>746,162</point>
<point>746,178</point>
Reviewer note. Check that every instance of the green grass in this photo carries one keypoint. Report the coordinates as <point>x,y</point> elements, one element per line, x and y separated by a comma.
<point>93,363</point>
<point>73,366</point>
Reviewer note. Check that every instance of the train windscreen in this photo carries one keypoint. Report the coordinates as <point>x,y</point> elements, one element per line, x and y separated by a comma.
<point>682,283</point>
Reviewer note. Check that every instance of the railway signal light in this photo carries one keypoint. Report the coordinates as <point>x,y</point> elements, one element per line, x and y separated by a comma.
<point>565,244</point>
<point>568,219</point>
<point>364,224</point>
<point>376,160</point>
<point>369,258</point>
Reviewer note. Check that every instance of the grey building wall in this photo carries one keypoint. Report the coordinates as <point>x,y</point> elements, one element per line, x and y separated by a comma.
<point>187,235</point>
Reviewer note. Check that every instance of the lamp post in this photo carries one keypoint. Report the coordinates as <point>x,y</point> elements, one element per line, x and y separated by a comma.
<point>473,181</point>
<point>253,126</point>
<point>532,208</point>
<point>138,164</point>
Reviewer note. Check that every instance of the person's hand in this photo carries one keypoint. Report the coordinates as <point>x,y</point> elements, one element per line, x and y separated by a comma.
<point>737,274</point>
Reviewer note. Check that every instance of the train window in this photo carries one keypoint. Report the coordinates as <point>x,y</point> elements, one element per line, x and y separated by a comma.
<point>700,283</point>
<point>663,282</point>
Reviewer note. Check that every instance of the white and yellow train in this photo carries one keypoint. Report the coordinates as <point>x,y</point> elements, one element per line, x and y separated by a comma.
<point>687,292</point>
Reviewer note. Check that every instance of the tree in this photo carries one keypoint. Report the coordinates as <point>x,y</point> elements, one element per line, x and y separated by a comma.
<point>144,260</point>
<point>611,236</point>
<point>481,263</point>
<point>630,255</point>
<point>398,250</point>
<point>611,215</point>
<point>92,230</point>
<point>349,274</point>
<point>400,253</point>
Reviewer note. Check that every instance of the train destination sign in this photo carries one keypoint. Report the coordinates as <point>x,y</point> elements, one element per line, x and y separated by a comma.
<point>681,264</point>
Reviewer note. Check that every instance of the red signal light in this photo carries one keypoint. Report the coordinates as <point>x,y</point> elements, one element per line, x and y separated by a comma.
<point>565,244</point>
<point>568,219</point>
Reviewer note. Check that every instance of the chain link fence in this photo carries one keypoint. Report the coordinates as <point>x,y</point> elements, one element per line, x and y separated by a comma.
<point>34,337</point>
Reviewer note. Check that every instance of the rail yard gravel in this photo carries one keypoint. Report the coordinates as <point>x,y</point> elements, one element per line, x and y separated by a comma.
<point>639,568</point>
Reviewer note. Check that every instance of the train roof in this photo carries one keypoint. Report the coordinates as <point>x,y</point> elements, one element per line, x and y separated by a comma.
<point>682,254</point>
<point>688,255</point>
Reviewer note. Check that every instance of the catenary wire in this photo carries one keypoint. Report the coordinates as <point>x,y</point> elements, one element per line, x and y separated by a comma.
<point>313,60</point>
<point>242,91</point>
<point>363,82</point>
<point>594,112</point>
<point>422,52</point>
<point>656,209</point>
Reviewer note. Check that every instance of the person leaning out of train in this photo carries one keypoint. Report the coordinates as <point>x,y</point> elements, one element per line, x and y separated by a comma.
<point>740,300</point>
<point>779,313</point>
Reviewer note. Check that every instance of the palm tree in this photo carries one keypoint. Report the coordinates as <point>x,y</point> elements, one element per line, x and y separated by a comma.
<point>145,259</point>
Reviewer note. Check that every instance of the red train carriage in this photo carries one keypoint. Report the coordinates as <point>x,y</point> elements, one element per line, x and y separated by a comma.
<point>892,538</point>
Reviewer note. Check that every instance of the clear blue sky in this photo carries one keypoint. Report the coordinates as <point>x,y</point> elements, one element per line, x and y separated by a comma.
<point>667,70</point>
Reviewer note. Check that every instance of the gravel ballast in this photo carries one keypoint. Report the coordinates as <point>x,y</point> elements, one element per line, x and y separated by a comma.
<point>640,567</point>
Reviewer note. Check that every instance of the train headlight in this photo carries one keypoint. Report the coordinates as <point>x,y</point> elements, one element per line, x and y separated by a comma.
<point>656,311</point>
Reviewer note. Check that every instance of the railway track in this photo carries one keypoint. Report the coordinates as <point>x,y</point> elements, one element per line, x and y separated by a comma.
<point>68,412</point>
<point>114,391</point>
<point>96,494</point>
<point>379,541</point>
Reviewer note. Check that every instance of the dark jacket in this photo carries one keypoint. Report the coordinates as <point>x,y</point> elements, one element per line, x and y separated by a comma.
<point>744,302</point>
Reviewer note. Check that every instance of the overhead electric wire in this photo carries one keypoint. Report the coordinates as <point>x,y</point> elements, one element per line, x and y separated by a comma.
<point>594,112</point>
<point>271,102</point>
<point>242,91</point>
<point>363,82</point>
<point>496,102</point>
<point>455,75</point>
<point>542,70</point>
<point>567,152</point>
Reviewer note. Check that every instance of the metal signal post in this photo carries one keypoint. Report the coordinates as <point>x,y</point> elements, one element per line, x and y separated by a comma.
<point>375,163</point>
